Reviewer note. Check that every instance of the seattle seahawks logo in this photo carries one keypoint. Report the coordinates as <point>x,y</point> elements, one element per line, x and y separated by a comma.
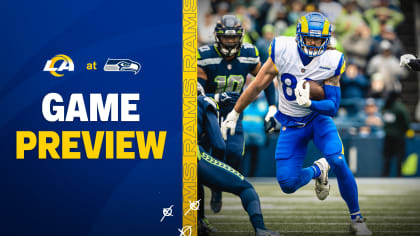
<point>122,65</point>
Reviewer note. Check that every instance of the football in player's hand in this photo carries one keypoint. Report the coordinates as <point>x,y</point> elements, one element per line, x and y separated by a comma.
<point>317,92</point>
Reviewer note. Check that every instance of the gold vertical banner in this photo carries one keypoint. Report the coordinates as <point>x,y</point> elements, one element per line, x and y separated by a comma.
<point>189,120</point>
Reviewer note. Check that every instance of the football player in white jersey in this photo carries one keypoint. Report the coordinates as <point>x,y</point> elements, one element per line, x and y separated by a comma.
<point>293,61</point>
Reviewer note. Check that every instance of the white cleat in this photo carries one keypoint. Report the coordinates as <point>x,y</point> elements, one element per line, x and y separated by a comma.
<point>359,227</point>
<point>322,187</point>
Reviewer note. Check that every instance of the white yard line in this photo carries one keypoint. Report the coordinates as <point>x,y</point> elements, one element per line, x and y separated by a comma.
<point>326,232</point>
<point>320,223</point>
<point>283,210</point>
<point>279,217</point>
<point>376,181</point>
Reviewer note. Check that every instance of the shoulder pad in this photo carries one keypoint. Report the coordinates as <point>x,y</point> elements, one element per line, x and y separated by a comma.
<point>249,50</point>
<point>206,51</point>
<point>279,45</point>
<point>249,54</point>
<point>207,55</point>
<point>334,60</point>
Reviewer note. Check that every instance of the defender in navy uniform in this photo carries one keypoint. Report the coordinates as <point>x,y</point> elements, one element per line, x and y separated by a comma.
<point>223,67</point>
<point>218,175</point>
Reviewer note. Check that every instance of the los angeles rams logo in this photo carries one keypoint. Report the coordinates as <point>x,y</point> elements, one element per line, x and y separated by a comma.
<point>67,64</point>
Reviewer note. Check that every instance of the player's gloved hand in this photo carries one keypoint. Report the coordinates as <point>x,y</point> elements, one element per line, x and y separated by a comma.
<point>270,122</point>
<point>229,123</point>
<point>302,94</point>
<point>405,59</point>
<point>226,98</point>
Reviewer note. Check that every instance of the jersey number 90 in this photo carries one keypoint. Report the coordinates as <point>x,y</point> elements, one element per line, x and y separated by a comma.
<point>233,83</point>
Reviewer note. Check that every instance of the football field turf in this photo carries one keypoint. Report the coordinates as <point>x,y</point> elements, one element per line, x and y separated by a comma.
<point>390,205</point>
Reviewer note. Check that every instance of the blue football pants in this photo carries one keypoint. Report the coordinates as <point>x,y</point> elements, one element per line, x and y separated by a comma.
<point>291,150</point>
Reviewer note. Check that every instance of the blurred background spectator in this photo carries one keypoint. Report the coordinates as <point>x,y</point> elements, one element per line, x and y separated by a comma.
<point>389,66</point>
<point>370,120</point>
<point>397,121</point>
<point>386,33</point>
<point>382,14</point>
<point>357,45</point>
<point>254,133</point>
<point>349,20</point>
<point>264,42</point>
<point>354,86</point>
<point>331,9</point>
<point>206,29</point>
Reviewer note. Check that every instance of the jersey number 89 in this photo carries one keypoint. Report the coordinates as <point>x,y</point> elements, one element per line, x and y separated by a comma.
<point>289,84</point>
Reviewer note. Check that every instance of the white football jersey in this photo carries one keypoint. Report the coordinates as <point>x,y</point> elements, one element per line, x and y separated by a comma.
<point>284,53</point>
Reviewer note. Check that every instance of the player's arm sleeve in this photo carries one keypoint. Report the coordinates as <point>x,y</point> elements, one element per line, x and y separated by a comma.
<point>329,106</point>
<point>215,137</point>
<point>414,64</point>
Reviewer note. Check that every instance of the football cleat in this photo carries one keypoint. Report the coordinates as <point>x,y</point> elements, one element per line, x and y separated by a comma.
<point>204,227</point>
<point>322,187</point>
<point>266,232</point>
<point>359,227</point>
<point>216,201</point>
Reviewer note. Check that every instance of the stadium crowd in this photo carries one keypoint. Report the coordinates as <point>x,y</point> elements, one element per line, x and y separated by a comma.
<point>363,30</point>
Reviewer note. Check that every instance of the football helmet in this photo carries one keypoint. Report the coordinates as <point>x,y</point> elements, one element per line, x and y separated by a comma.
<point>313,25</point>
<point>229,34</point>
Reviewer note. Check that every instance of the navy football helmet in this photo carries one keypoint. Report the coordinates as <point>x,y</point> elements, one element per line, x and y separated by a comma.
<point>229,34</point>
<point>313,25</point>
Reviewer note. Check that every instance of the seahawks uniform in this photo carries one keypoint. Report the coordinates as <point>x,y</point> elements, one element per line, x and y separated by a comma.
<point>218,175</point>
<point>302,124</point>
<point>224,75</point>
<point>228,76</point>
